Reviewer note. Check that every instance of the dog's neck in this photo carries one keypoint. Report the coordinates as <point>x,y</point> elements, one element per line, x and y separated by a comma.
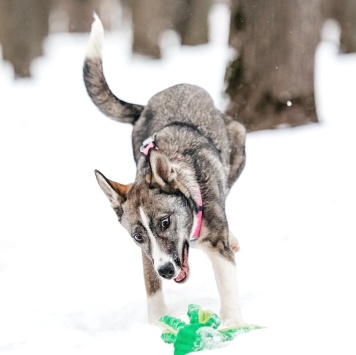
<point>149,144</point>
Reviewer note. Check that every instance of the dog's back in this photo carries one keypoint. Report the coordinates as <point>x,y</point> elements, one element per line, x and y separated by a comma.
<point>187,105</point>
<point>183,103</point>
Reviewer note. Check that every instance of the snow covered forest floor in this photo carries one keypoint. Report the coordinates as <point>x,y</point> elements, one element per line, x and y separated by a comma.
<point>71,279</point>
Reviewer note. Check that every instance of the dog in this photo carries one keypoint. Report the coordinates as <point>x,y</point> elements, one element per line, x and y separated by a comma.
<point>188,156</point>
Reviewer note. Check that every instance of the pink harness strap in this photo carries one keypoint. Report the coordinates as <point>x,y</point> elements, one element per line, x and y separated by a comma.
<point>149,144</point>
<point>200,215</point>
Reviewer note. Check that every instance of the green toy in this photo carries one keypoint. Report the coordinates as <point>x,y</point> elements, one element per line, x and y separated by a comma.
<point>201,333</point>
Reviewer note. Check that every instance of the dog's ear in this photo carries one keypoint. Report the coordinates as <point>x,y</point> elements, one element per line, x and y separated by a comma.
<point>162,172</point>
<point>115,192</point>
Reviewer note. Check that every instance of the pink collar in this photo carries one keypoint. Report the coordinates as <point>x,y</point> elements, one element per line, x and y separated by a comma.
<point>149,144</point>
<point>200,215</point>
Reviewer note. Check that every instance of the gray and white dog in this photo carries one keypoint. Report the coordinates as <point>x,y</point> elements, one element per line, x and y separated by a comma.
<point>191,156</point>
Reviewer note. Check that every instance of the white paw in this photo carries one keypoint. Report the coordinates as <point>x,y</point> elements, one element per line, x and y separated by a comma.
<point>228,322</point>
<point>232,316</point>
<point>156,307</point>
<point>234,244</point>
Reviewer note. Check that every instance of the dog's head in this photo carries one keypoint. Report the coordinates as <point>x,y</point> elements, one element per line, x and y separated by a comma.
<point>158,211</point>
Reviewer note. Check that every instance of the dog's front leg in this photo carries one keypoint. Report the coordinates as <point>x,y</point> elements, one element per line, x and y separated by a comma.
<point>226,280</point>
<point>156,306</point>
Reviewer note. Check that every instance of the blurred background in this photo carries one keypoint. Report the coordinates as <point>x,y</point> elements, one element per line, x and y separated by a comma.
<point>269,82</point>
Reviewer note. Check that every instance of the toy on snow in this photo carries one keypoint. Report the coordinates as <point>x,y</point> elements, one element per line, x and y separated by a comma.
<point>200,333</point>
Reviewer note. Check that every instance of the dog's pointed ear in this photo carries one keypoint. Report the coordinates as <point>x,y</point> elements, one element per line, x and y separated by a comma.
<point>115,192</point>
<point>162,171</point>
<point>166,177</point>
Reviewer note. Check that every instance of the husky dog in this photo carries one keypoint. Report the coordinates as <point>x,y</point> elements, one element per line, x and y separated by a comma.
<point>191,155</point>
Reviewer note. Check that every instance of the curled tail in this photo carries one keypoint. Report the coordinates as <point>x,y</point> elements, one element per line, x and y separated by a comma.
<point>97,86</point>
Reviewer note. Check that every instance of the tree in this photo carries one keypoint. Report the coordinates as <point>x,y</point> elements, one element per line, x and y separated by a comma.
<point>80,13</point>
<point>343,11</point>
<point>270,82</point>
<point>150,18</point>
<point>23,27</point>
<point>190,20</point>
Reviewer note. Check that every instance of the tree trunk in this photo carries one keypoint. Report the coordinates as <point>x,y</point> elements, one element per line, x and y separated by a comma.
<point>343,11</point>
<point>270,82</point>
<point>24,25</point>
<point>190,19</point>
<point>149,19</point>
<point>80,14</point>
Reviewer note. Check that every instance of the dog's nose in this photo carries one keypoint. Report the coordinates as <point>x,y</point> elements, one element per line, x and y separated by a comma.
<point>166,271</point>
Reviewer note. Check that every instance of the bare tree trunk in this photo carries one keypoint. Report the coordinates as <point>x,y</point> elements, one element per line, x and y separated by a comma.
<point>149,20</point>
<point>270,83</point>
<point>80,13</point>
<point>343,11</point>
<point>190,19</point>
<point>24,25</point>
<point>151,17</point>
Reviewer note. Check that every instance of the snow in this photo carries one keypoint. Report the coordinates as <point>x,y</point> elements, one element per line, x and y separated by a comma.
<point>70,277</point>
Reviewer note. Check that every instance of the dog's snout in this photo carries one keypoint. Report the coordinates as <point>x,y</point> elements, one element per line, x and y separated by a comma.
<point>166,271</point>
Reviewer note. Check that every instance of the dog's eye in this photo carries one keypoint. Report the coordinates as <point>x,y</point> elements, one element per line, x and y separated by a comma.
<point>138,237</point>
<point>165,222</point>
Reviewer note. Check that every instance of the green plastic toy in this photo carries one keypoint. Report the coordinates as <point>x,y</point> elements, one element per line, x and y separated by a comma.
<point>201,333</point>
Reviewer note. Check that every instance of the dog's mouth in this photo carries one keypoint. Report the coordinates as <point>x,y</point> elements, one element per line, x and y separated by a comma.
<point>184,271</point>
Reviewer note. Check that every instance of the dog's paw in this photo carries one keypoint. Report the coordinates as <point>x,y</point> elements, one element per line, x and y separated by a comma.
<point>232,316</point>
<point>156,307</point>
<point>233,242</point>
<point>233,319</point>
<point>230,322</point>
<point>155,315</point>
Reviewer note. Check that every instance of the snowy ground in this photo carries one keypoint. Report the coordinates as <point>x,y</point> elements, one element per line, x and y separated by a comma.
<point>71,279</point>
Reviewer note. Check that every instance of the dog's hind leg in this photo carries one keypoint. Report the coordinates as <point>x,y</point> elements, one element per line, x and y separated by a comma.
<point>156,306</point>
<point>237,136</point>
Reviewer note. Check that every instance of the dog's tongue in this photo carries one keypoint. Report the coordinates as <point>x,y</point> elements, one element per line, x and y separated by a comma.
<point>182,275</point>
<point>185,268</point>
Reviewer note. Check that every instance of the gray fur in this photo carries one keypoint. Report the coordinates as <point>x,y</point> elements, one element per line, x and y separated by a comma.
<point>102,96</point>
<point>198,147</point>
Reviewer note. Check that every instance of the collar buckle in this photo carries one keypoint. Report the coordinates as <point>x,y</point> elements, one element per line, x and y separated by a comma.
<point>147,145</point>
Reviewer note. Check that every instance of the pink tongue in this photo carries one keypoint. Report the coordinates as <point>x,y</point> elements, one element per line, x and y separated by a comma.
<point>185,268</point>
<point>181,276</point>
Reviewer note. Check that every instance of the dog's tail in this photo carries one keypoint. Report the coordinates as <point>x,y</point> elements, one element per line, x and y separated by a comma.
<point>96,84</point>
